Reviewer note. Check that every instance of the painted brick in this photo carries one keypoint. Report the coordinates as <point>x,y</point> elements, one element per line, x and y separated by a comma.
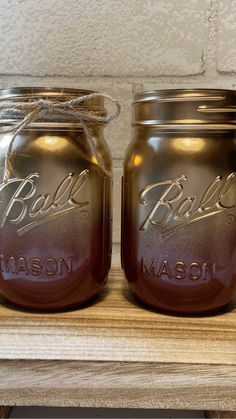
<point>116,254</point>
<point>185,83</point>
<point>106,37</point>
<point>226,37</point>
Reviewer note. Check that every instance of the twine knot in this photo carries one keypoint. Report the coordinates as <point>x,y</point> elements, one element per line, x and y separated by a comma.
<point>45,105</point>
<point>26,112</point>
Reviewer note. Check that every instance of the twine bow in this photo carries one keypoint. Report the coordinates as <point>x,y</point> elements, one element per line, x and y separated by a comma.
<point>31,111</point>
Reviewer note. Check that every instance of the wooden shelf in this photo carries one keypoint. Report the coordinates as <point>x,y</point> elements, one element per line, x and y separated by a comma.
<point>117,354</point>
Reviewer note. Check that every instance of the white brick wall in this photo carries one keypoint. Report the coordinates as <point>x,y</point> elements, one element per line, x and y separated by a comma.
<point>226,46</point>
<point>118,47</point>
<point>102,38</point>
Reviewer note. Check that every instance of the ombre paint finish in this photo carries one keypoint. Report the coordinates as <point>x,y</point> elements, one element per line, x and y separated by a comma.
<point>179,201</point>
<point>55,214</point>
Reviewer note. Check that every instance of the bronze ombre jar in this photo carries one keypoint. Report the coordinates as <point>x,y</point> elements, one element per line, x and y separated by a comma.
<point>179,200</point>
<point>55,202</point>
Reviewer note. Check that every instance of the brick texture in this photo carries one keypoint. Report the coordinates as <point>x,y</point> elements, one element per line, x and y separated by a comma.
<point>226,37</point>
<point>105,37</point>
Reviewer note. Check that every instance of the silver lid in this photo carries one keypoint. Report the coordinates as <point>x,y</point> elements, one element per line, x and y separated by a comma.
<point>186,109</point>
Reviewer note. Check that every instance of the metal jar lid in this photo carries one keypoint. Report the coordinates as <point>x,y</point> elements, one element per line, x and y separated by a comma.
<point>186,109</point>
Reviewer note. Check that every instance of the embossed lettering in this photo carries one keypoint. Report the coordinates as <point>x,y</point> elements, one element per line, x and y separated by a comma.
<point>148,269</point>
<point>225,191</point>
<point>174,189</point>
<point>42,208</point>
<point>22,265</point>
<point>51,266</point>
<point>195,271</point>
<point>39,206</point>
<point>208,271</point>
<point>168,204</point>
<point>180,270</point>
<point>211,195</point>
<point>8,265</point>
<point>185,208</point>
<point>36,266</point>
<point>64,265</point>
<point>76,188</point>
<point>165,270</point>
<point>19,198</point>
<point>62,191</point>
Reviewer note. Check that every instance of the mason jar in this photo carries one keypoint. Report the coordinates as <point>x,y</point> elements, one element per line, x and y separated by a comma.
<point>179,200</point>
<point>55,207</point>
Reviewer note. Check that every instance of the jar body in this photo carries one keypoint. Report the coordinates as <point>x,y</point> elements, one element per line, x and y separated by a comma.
<point>179,218</point>
<point>55,235</point>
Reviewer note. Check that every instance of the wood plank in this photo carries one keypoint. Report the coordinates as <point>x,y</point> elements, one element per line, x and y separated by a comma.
<point>116,328</point>
<point>213,414</point>
<point>118,385</point>
<point>5,412</point>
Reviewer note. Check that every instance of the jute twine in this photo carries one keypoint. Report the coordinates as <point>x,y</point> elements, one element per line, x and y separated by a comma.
<point>25,112</point>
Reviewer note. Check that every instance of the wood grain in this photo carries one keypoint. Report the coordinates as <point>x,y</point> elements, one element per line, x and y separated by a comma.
<point>116,353</point>
<point>5,412</point>
<point>118,384</point>
<point>115,328</point>
<point>212,414</point>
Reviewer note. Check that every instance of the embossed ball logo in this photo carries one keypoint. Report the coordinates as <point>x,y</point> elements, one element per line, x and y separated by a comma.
<point>169,209</point>
<point>25,203</point>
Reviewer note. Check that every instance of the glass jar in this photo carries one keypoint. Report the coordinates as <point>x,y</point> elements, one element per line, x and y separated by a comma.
<point>179,200</point>
<point>55,226</point>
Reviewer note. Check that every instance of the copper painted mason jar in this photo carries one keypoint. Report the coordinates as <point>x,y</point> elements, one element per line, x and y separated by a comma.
<point>55,208</point>
<point>179,200</point>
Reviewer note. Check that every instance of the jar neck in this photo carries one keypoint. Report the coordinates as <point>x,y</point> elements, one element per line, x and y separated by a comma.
<point>183,129</point>
<point>56,126</point>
